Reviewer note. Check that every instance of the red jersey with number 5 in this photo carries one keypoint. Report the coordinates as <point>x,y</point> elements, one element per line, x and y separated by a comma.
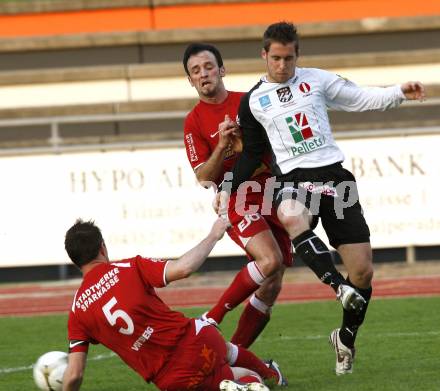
<point>117,306</point>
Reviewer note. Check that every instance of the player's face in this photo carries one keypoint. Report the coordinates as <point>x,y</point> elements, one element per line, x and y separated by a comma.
<point>280,61</point>
<point>205,75</point>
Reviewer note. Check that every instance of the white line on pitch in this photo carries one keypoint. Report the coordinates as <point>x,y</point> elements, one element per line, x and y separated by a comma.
<point>283,337</point>
<point>378,335</point>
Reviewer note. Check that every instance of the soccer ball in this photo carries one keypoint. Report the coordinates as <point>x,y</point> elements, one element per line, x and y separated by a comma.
<point>49,370</point>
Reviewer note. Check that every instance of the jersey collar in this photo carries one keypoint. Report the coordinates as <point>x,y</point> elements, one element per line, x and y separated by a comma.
<point>290,81</point>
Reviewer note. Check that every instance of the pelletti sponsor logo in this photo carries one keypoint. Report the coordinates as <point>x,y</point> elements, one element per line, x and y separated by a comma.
<point>302,135</point>
<point>308,146</point>
<point>299,127</point>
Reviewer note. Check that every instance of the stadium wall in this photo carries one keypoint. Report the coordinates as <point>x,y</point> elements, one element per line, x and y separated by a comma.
<point>36,20</point>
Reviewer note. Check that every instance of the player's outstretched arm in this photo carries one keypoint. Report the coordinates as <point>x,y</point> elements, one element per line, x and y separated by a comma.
<point>194,258</point>
<point>75,371</point>
<point>413,90</point>
<point>221,203</point>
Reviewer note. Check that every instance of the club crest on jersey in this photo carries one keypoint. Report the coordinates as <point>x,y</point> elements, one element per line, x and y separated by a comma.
<point>284,94</point>
<point>304,87</point>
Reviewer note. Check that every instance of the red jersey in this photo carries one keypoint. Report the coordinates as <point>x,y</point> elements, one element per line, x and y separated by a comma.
<point>201,134</point>
<point>201,131</point>
<point>117,306</point>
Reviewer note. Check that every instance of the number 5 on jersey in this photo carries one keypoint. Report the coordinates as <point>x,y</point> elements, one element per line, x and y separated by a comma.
<point>112,317</point>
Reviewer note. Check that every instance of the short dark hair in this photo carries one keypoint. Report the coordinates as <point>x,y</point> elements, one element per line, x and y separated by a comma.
<point>197,47</point>
<point>82,242</point>
<point>282,32</point>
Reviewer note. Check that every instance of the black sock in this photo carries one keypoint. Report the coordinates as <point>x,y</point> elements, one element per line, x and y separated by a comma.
<point>317,257</point>
<point>352,321</point>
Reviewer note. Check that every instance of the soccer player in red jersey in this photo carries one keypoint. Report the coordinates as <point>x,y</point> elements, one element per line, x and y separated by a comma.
<point>116,305</point>
<point>212,151</point>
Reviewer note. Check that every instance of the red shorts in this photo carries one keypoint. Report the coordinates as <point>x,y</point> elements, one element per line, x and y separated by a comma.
<point>249,216</point>
<point>198,362</point>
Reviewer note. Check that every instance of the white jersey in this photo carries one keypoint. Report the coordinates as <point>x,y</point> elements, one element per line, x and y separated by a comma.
<point>291,118</point>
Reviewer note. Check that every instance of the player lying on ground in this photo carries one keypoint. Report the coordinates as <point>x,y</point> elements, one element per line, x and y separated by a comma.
<point>116,305</point>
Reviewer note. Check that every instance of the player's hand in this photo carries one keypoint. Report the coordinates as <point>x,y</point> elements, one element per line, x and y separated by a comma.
<point>232,125</point>
<point>219,228</point>
<point>221,203</point>
<point>413,90</point>
<point>226,130</point>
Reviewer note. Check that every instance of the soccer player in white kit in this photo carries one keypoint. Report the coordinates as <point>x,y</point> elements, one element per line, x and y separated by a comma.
<point>286,113</point>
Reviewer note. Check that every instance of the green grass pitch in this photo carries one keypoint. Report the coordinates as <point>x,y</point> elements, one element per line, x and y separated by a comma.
<point>397,349</point>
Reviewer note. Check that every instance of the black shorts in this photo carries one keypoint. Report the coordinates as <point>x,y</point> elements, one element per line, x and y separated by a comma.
<point>330,193</point>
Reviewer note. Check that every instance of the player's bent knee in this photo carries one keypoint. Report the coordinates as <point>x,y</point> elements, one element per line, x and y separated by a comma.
<point>362,277</point>
<point>266,253</point>
<point>269,264</point>
<point>295,224</point>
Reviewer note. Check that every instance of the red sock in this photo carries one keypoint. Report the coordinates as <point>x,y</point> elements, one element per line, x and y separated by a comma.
<point>252,322</point>
<point>247,359</point>
<point>249,379</point>
<point>243,285</point>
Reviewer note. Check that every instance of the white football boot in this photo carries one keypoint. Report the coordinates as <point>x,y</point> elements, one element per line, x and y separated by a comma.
<point>344,354</point>
<point>231,385</point>
<point>350,298</point>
